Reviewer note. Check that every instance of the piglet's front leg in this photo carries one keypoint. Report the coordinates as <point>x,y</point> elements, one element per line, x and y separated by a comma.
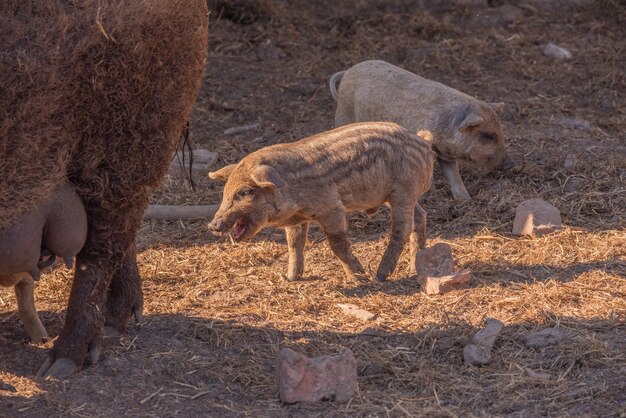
<point>453,177</point>
<point>296,239</point>
<point>335,227</point>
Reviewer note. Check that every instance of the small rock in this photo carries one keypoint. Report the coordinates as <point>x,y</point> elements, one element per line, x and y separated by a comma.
<point>556,5</point>
<point>536,217</point>
<point>544,338</point>
<point>270,52</point>
<point>355,311</point>
<point>555,51</point>
<point>303,379</point>
<point>435,261</point>
<point>507,13</point>
<point>478,353</point>
<point>446,5</point>
<point>573,184</point>
<point>570,161</point>
<point>538,375</point>
<point>445,284</point>
<point>578,124</point>
<point>423,53</point>
<point>242,129</point>
<point>203,162</point>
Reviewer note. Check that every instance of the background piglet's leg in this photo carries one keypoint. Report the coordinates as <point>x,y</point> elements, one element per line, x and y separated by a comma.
<point>335,227</point>
<point>453,177</point>
<point>24,291</point>
<point>296,238</point>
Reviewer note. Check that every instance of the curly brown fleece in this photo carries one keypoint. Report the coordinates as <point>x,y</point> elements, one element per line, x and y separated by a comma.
<point>98,92</point>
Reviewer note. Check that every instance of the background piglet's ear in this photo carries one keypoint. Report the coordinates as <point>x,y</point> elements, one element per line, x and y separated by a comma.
<point>496,106</point>
<point>223,173</point>
<point>266,176</point>
<point>471,119</point>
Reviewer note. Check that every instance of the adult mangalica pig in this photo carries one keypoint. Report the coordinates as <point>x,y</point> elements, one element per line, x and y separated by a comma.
<point>96,93</point>
<point>324,177</point>
<point>460,127</point>
<point>55,228</point>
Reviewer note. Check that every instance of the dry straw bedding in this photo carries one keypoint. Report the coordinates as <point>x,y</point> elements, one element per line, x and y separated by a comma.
<point>217,313</point>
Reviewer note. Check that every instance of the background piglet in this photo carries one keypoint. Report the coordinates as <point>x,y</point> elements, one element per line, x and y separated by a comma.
<point>460,127</point>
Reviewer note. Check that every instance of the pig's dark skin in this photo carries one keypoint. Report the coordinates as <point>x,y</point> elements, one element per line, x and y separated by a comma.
<point>58,227</point>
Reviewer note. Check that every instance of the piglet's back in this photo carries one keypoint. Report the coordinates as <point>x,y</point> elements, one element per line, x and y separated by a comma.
<point>351,152</point>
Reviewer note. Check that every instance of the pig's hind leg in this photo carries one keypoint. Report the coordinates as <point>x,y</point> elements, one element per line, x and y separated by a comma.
<point>296,238</point>
<point>417,240</point>
<point>124,297</point>
<point>335,227</point>
<point>401,229</point>
<point>25,293</point>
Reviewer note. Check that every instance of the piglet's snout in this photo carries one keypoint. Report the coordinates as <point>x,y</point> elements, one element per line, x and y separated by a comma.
<point>217,226</point>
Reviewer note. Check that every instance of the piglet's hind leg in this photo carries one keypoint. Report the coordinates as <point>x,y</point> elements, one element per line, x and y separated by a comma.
<point>335,227</point>
<point>401,229</point>
<point>418,236</point>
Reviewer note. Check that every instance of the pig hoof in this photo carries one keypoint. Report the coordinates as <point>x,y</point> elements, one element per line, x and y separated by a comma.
<point>57,369</point>
<point>95,348</point>
<point>138,314</point>
<point>381,277</point>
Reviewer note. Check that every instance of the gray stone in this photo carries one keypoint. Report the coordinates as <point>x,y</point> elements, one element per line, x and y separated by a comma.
<point>558,52</point>
<point>203,161</point>
<point>236,130</point>
<point>355,311</point>
<point>270,52</point>
<point>445,284</point>
<point>573,184</point>
<point>544,338</point>
<point>570,161</point>
<point>303,379</point>
<point>556,5</point>
<point>435,261</point>
<point>478,353</point>
<point>538,375</point>
<point>536,217</point>
<point>578,124</point>
<point>504,14</point>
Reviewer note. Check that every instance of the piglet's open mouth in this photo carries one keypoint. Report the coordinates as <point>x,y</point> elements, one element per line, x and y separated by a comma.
<point>241,226</point>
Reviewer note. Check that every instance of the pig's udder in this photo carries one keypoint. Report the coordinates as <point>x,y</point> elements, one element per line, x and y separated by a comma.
<point>46,258</point>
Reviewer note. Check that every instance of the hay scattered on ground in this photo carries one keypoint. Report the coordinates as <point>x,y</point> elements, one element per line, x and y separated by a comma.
<point>217,313</point>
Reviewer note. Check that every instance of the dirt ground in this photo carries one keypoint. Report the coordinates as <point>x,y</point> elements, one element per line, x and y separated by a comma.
<point>217,313</point>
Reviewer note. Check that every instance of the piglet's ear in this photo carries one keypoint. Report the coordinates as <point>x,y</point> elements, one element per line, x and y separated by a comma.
<point>223,173</point>
<point>496,106</point>
<point>266,176</point>
<point>472,119</point>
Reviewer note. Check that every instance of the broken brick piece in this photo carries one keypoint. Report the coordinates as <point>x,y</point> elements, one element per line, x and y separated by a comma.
<point>434,261</point>
<point>303,379</point>
<point>439,285</point>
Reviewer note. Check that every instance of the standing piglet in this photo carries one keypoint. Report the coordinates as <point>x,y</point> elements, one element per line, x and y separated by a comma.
<point>460,127</point>
<point>324,177</point>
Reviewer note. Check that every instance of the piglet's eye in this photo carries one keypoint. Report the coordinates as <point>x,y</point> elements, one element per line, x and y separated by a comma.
<point>245,193</point>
